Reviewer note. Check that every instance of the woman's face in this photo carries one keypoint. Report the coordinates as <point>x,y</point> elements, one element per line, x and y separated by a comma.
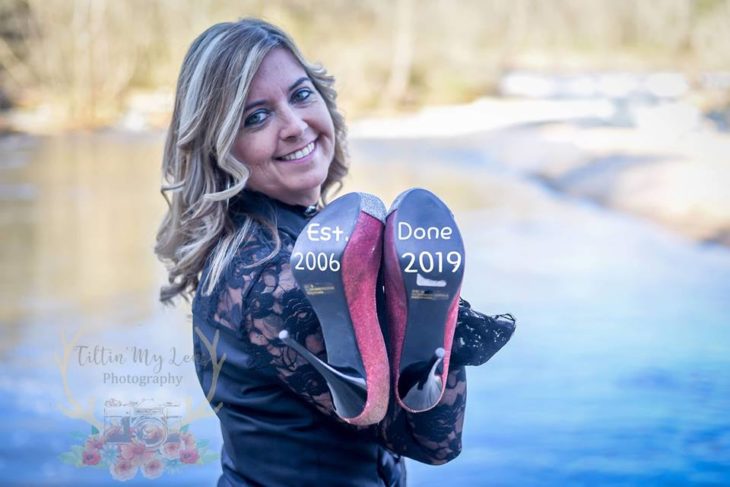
<point>287,138</point>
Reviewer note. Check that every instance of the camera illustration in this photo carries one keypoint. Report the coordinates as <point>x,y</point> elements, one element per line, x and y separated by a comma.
<point>141,422</point>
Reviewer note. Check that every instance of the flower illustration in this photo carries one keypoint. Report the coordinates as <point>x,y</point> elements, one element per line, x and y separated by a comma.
<point>124,454</point>
<point>123,470</point>
<point>153,468</point>
<point>135,452</point>
<point>109,454</point>
<point>95,442</point>
<point>187,439</point>
<point>90,456</point>
<point>171,450</point>
<point>189,455</point>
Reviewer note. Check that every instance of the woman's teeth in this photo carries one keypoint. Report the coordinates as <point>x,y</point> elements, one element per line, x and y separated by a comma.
<point>299,154</point>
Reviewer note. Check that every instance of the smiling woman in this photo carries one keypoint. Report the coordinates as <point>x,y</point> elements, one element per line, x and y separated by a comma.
<point>246,103</point>
<point>287,137</point>
<point>254,146</point>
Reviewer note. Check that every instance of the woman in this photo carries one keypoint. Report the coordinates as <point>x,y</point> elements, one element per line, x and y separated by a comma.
<point>255,145</point>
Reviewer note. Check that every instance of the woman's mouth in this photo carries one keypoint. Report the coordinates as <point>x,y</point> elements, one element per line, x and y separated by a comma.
<point>299,154</point>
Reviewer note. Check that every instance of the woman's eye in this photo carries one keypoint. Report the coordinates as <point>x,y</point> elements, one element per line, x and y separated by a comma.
<point>301,95</point>
<point>255,118</point>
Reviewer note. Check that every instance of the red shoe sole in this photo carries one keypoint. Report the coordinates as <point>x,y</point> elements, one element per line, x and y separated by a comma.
<point>335,261</point>
<point>424,268</point>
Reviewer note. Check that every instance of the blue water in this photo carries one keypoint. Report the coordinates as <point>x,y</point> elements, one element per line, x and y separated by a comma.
<point>618,373</point>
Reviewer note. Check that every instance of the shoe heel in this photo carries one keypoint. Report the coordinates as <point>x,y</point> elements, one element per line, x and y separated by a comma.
<point>335,261</point>
<point>424,267</point>
<point>420,384</point>
<point>349,392</point>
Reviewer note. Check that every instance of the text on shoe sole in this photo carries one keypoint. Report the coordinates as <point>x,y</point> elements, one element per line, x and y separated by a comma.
<point>428,262</point>
<point>406,231</point>
<point>316,261</point>
<point>319,233</point>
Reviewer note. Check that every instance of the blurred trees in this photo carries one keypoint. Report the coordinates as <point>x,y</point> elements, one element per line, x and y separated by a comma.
<point>81,59</point>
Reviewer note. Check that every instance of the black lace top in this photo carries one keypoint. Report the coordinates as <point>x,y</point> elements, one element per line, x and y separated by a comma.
<point>276,413</point>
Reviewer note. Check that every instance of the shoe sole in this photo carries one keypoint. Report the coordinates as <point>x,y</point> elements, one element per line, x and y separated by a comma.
<point>335,261</point>
<point>424,255</point>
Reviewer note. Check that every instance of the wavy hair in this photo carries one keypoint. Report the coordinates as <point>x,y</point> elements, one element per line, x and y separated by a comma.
<point>198,169</point>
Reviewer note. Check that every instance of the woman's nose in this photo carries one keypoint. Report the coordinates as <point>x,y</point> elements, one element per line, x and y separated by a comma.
<point>293,125</point>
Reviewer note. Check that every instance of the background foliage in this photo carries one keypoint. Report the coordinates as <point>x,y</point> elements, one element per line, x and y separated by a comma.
<point>83,60</point>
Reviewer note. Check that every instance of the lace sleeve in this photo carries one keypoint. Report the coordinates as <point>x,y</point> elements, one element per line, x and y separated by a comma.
<point>478,337</point>
<point>432,437</point>
<point>261,301</point>
<point>276,303</point>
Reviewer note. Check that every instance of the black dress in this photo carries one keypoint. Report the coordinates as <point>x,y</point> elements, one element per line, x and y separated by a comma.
<point>276,414</point>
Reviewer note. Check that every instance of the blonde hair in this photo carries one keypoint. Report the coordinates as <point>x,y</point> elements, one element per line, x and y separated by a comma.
<point>198,168</point>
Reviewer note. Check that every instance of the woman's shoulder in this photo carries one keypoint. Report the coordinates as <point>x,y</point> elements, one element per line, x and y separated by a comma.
<point>257,249</point>
<point>261,256</point>
<point>259,246</point>
<point>261,249</point>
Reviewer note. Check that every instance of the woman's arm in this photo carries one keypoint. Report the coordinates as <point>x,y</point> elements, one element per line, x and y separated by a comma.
<point>266,300</point>
<point>478,336</point>
<point>275,302</point>
<point>434,436</point>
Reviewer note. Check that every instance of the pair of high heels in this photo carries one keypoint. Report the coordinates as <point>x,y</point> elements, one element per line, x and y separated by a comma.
<point>346,256</point>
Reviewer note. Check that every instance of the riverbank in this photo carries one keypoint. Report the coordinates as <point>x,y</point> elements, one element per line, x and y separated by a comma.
<point>665,161</point>
<point>638,144</point>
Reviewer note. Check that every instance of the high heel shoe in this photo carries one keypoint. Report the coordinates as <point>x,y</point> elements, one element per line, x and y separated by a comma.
<point>335,261</point>
<point>424,266</point>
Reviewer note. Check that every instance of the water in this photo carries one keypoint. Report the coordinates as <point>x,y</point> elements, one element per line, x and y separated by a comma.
<point>617,374</point>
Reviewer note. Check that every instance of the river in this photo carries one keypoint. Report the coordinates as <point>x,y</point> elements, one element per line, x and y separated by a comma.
<point>618,373</point>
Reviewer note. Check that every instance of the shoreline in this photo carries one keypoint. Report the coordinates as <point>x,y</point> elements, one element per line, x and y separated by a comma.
<point>663,162</point>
